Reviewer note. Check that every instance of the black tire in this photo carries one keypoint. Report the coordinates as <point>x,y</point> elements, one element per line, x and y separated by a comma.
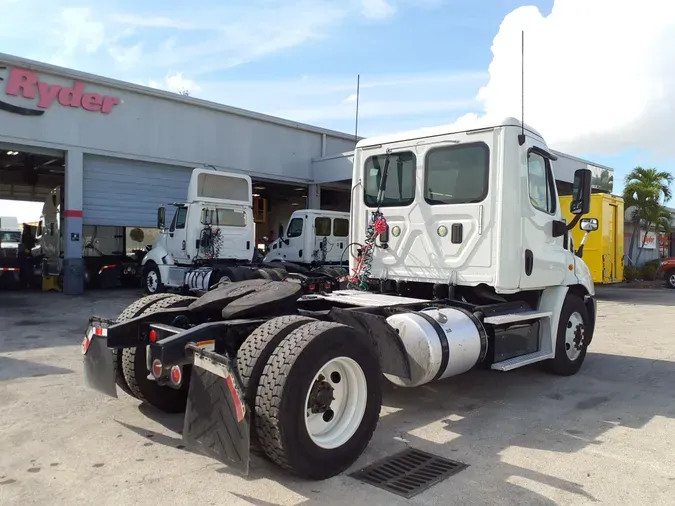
<point>562,365</point>
<point>280,409</point>
<point>670,278</point>
<point>151,267</point>
<point>164,398</point>
<point>254,354</point>
<point>132,311</point>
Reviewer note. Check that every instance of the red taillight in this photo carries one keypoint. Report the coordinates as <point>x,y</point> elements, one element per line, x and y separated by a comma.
<point>176,375</point>
<point>156,368</point>
<point>152,335</point>
<point>98,331</point>
<point>312,287</point>
<point>327,286</point>
<point>85,345</point>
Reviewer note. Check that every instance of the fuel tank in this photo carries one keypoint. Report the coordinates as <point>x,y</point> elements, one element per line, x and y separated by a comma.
<point>440,342</point>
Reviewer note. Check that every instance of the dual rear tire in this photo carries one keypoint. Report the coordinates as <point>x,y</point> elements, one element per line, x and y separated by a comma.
<point>315,393</point>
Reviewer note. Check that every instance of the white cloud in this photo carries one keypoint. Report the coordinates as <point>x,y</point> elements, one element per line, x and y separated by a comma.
<point>599,74</point>
<point>377,9</point>
<point>177,83</point>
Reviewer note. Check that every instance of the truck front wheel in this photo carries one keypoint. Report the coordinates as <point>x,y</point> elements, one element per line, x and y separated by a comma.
<point>571,341</point>
<point>152,279</point>
<point>318,400</point>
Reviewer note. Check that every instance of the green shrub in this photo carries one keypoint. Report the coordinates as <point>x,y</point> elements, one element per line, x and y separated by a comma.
<point>630,273</point>
<point>649,271</point>
<point>652,263</point>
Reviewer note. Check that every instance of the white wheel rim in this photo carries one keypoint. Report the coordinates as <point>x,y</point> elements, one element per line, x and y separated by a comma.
<point>152,281</point>
<point>572,346</point>
<point>672,280</point>
<point>335,426</point>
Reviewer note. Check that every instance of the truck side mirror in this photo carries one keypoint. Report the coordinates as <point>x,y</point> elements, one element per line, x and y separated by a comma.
<point>207,217</point>
<point>161,217</point>
<point>589,224</point>
<point>581,192</point>
<point>281,231</point>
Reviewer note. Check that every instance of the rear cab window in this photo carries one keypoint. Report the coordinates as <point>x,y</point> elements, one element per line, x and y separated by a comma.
<point>322,226</point>
<point>400,185</point>
<point>340,227</point>
<point>457,174</point>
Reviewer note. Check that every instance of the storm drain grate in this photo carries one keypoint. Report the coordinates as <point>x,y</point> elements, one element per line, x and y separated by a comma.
<point>409,472</point>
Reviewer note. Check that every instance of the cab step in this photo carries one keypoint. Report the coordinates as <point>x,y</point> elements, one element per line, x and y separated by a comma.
<point>523,360</point>
<point>521,316</point>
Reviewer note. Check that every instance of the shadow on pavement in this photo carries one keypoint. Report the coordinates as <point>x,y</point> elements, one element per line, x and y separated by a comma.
<point>13,368</point>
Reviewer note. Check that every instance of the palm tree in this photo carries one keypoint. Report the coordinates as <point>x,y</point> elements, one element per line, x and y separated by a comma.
<point>645,191</point>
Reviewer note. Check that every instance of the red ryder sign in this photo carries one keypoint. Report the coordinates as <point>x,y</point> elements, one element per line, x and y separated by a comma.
<point>27,84</point>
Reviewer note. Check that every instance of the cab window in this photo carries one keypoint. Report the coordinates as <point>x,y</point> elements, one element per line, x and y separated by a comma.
<point>540,183</point>
<point>457,174</point>
<point>295,227</point>
<point>340,227</point>
<point>179,219</point>
<point>399,189</point>
<point>322,226</point>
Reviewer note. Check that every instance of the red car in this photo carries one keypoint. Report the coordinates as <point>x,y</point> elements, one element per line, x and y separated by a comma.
<point>667,270</point>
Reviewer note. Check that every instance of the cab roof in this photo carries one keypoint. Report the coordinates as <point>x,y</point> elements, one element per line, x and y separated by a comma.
<point>457,127</point>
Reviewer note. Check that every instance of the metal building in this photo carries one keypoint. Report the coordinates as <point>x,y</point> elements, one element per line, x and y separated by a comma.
<point>121,150</point>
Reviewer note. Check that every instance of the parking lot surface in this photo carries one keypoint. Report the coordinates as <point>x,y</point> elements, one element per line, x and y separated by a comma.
<point>603,436</point>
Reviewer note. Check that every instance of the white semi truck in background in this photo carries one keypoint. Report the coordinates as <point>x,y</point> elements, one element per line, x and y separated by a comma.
<point>462,260</point>
<point>10,239</point>
<point>105,257</point>
<point>313,237</point>
<point>211,239</point>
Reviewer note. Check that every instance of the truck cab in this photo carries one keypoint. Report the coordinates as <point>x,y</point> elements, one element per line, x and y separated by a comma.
<point>475,209</point>
<point>313,237</point>
<point>213,226</point>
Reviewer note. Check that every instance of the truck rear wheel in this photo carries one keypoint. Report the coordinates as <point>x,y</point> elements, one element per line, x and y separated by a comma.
<point>254,354</point>
<point>164,398</point>
<point>131,311</point>
<point>319,399</point>
<point>571,342</point>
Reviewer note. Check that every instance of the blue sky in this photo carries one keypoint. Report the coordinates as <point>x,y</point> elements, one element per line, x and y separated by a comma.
<point>599,82</point>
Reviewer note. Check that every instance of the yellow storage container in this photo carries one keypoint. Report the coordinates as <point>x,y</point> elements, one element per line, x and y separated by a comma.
<point>603,250</point>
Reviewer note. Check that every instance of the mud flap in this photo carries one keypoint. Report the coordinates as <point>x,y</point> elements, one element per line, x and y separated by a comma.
<point>217,420</point>
<point>99,369</point>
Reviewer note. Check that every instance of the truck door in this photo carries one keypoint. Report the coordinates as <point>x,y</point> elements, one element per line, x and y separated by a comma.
<point>609,257</point>
<point>292,251</point>
<point>545,261</point>
<point>176,243</point>
<point>340,240</point>
<point>322,230</point>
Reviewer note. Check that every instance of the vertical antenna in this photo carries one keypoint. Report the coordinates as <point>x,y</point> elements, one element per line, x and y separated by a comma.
<point>358,89</point>
<point>521,137</point>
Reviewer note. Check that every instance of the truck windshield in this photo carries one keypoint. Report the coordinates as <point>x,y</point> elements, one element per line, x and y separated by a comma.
<point>399,189</point>
<point>10,236</point>
<point>457,174</point>
<point>225,217</point>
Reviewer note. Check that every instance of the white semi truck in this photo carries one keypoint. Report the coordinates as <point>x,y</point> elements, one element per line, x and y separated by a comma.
<point>463,261</point>
<point>105,259</point>
<point>10,239</point>
<point>313,237</point>
<point>211,239</point>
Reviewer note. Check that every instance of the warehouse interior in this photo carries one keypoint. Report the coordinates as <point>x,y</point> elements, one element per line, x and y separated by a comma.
<point>29,174</point>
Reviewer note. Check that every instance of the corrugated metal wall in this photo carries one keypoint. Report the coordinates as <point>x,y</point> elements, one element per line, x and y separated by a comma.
<point>127,193</point>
